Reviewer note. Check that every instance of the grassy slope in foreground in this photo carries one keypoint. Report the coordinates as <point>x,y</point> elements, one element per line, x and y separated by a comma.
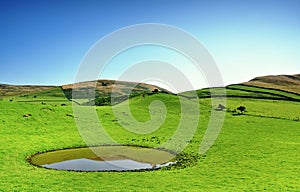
<point>251,153</point>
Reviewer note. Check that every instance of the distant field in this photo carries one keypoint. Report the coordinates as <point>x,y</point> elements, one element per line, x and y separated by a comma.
<point>257,150</point>
<point>247,91</point>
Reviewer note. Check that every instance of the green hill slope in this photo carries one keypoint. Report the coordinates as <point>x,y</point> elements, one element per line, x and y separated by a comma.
<point>255,151</point>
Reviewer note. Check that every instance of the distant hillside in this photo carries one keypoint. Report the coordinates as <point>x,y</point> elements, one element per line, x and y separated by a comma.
<point>282,87</point>
<point>85,90</point>
<point>289,83</point>
<point>17,90</point>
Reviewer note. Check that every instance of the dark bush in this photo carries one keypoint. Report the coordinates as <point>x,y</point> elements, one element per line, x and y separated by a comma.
<point>155,91</point>
<point>242,109</point>
<point>101,101</point>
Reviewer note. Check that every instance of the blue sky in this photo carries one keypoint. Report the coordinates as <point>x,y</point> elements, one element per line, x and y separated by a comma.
<point>43,42</point>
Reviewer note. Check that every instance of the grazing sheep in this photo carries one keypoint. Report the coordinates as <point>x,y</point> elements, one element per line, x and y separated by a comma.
<point>27,115</point>
<point>220,107</point>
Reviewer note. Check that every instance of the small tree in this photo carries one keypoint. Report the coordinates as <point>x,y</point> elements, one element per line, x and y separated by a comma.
<point>155,91</point>
<point>143,96</point>
<point>242,109</point>
<point>101,101</point>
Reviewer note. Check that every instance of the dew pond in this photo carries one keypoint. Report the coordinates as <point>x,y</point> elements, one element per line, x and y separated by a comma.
<point>104,158</point>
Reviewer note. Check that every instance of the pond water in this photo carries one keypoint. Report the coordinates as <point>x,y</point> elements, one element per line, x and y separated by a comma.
<point>104,158</point>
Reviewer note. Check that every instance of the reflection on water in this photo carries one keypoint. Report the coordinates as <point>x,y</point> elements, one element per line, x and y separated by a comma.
<point>94,165</point>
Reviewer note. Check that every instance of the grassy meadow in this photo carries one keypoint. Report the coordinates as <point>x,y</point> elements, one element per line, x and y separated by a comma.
<point>255,151</point>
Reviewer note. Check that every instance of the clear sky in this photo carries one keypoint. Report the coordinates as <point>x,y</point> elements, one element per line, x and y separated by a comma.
<point>43,42</point>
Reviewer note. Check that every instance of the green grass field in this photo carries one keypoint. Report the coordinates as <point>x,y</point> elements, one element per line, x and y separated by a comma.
<point>255,151</point>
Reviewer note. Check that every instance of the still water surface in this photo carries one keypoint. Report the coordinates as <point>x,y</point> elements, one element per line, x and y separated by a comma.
<point>104,158</point>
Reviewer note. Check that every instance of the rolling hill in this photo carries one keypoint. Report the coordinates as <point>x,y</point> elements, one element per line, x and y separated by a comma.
<point>256,150</point>
<point>290,83</point>
<point>86,91</point>
<point>282,87</point>
<point>102,88</point>
<point>16,90</point>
